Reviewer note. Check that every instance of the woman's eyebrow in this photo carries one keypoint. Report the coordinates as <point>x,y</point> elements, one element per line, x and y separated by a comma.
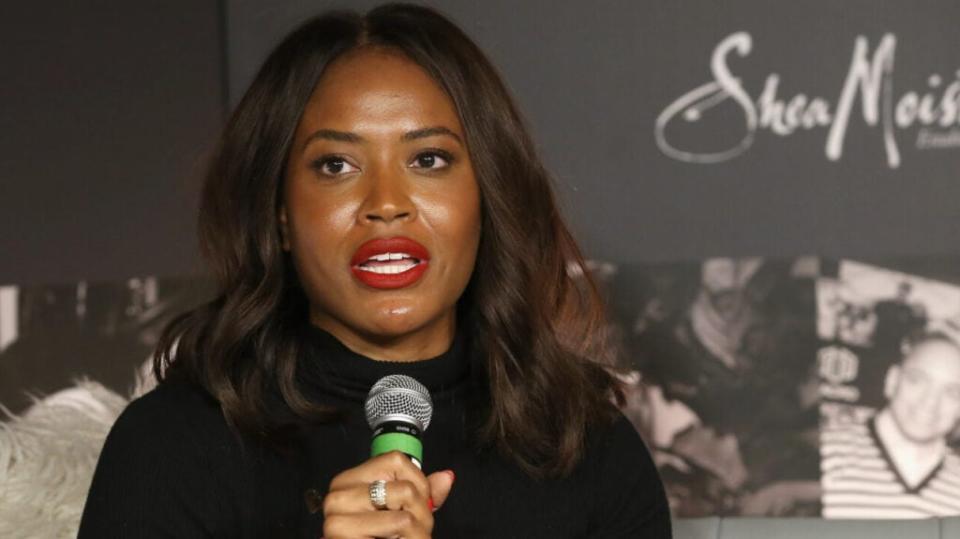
<point>332,134</point>
<point>346,136</point>
<point>429,132</point>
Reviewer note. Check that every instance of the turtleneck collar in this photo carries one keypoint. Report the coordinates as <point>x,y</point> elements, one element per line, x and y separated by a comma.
<point>329,367</point>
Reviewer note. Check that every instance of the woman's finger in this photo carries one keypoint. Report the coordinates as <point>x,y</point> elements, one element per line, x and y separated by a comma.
<point>400,496</point>
<point>392,466</point>
<point>440,485</point>
<point>374,524</point>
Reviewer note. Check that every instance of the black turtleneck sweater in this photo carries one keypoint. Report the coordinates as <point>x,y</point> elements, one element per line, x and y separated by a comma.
<point>171,467</point>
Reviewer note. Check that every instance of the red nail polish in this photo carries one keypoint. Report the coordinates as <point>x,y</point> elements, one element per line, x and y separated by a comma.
<point>430,503</point>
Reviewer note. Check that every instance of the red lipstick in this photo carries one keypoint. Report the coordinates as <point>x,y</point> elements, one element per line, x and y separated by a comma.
<point>389,263</point>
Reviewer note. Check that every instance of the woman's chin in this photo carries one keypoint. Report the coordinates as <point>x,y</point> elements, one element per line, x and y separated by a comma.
<point>409,325</point>
<point>385,324</point>
<point>395,324</point>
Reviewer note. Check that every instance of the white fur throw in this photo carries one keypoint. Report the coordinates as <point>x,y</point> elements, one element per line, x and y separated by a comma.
<point>48,455</point>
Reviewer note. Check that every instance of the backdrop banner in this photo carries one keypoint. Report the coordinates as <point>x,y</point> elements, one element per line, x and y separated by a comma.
<point>741,373</point>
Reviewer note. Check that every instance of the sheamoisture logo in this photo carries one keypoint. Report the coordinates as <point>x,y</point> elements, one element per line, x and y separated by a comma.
<point>870,79</point>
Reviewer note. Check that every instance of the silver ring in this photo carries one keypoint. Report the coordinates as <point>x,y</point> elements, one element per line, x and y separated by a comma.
<point>378,494</point>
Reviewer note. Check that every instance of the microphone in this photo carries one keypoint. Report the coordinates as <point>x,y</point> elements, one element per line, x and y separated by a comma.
<point>398,409</point>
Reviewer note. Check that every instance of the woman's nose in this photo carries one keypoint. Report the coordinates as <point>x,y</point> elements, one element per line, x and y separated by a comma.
<point>387,199</point>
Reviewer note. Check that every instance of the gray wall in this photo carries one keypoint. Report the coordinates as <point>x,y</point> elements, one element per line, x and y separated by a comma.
<point>593,77</point>
<point>108,107</point>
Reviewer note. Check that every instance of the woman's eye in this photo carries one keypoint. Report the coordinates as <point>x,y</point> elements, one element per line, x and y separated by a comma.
<point>333,166</point>
<point>432,160</point>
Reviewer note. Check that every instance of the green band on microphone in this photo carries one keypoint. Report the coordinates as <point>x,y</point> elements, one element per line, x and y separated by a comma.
<point>397,441</point>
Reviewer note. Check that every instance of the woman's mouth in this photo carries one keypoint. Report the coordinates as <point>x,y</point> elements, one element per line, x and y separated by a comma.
<point>389,263</point>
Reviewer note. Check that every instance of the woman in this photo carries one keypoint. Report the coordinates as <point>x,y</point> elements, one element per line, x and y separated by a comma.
<point>376,207</point>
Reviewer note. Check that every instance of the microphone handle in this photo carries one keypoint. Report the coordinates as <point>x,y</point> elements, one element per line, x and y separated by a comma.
<point>398,436</point>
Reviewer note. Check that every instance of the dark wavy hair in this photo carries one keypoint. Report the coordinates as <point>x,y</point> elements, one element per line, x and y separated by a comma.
<point>535,314</point>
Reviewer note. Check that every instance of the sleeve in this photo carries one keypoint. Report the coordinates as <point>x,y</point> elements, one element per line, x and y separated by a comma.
<point>630,500</point>
<point>152,479</point>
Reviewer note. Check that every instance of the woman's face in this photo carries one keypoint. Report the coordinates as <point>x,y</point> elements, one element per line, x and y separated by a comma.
<point>380,209</point>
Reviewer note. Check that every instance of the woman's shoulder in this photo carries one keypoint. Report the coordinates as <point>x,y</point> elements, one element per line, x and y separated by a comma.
<point>177,402</point>
<point>161,465</point>
<point>630,494</point>
<point>173,417</point>
<point>616,440</point>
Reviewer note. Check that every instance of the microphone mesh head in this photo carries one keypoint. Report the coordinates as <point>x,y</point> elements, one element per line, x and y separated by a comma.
<point>398,397</point>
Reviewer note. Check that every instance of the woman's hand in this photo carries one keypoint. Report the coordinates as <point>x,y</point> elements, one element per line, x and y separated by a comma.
<point>348,512</point>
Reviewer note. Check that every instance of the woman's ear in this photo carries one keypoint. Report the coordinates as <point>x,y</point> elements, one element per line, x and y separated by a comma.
<point>284,228</point>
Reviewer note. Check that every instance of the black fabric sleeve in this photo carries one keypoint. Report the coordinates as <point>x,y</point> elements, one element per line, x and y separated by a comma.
<point>630,500</point>
<point>153,478</point>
